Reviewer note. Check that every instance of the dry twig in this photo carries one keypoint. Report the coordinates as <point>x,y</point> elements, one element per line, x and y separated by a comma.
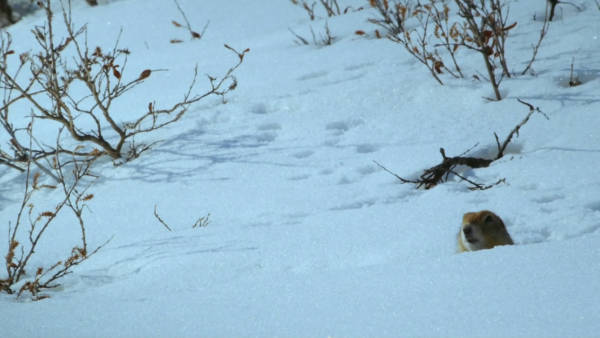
<point>194,34</point>
<point>440,173</point>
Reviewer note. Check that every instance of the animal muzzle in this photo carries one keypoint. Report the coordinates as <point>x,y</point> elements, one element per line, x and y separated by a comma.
<point>469,234</point>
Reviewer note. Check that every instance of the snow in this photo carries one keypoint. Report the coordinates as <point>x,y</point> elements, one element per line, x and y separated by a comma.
<point>307,235</point>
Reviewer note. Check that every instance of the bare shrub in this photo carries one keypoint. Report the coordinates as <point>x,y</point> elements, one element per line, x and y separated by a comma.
<point>393,19</point>
<point>486,31</point>
<point>324,39</point>
<point>75,179</point>
<point>201,222</point>
<point>331,7</point>
<point>44,80</point>
<point>483,27</point>
<point>440,173</point>
<point>188,26</point>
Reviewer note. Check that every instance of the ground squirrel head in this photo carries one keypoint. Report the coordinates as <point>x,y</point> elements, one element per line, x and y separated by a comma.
<point>482,230</point>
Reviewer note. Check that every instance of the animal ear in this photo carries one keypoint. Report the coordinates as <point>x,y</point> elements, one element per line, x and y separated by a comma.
<point>488,219</point>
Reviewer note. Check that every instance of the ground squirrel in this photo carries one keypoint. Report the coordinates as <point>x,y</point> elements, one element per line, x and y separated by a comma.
<point>482,230</point>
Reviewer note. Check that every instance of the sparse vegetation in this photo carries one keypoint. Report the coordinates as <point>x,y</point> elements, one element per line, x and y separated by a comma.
<point>201,222</point>
<point>75,179</point>
<point>573,79</point>
<point>331,8</point>
<point>483,27</point>
<point>44,80</point>
<point>194,35</point>
<point>325,38</point>
<point>440,173</point>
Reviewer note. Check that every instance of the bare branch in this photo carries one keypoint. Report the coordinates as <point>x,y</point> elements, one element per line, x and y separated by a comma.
<point>536,47</point>
<point>440,173</point>
<point>160,219</point>
<point>195,35</point>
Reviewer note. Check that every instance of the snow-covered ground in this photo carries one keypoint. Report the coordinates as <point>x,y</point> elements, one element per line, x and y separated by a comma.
<point>307,236</point>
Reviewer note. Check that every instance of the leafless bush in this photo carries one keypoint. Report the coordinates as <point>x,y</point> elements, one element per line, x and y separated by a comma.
<point>486,31</point>
<point>536,47</point>
<point>44,80</point>
<point>440,173</point>
<point>188,26</point>
<point>75,179</point>
<point>393,19</point>
<point>483,27</point>
<point>331,7</point>
<point>430,19</point>
<point>325,38</point>
<point>200,222</point>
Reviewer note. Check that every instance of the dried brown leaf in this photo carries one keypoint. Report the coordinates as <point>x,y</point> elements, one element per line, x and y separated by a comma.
<point>116,73</point>
<point>145,74</point>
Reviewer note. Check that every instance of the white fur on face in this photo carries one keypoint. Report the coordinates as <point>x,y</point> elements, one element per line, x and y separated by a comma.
<point>475,233</point>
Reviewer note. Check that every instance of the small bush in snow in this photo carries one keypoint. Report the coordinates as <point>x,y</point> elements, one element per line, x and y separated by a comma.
<point>483,27</point>
<point>331,7</point>
<point>324,39</point>
<point>44,80</point>
<point>200,222</point>
<point>74,179</point>
<point>188,26</point>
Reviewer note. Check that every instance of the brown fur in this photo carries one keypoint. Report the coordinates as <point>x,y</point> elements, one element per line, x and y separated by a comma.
<point>482,230</point>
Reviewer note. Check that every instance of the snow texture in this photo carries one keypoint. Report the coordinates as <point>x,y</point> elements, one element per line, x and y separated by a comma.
<point>307,236</point>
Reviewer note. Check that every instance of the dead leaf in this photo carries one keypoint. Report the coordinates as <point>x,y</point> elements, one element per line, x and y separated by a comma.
<point>146,73</point>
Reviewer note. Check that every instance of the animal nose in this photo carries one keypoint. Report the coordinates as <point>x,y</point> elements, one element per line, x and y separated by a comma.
<point>467,230</point>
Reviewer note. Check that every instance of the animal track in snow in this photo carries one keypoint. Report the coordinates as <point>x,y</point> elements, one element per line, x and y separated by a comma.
<point>269,126</point>
<point>299,177</point>
<point>589,230</point>
<point>366,148</point>
<point>313,75</point>
<point>366,170</point>
<point>358,66</point>
<point>340,127</point>
<point>355,205</point>
<point>549,198</point>
<point>303,154</point>
<point>595,206</point>
<point>260,109</point>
